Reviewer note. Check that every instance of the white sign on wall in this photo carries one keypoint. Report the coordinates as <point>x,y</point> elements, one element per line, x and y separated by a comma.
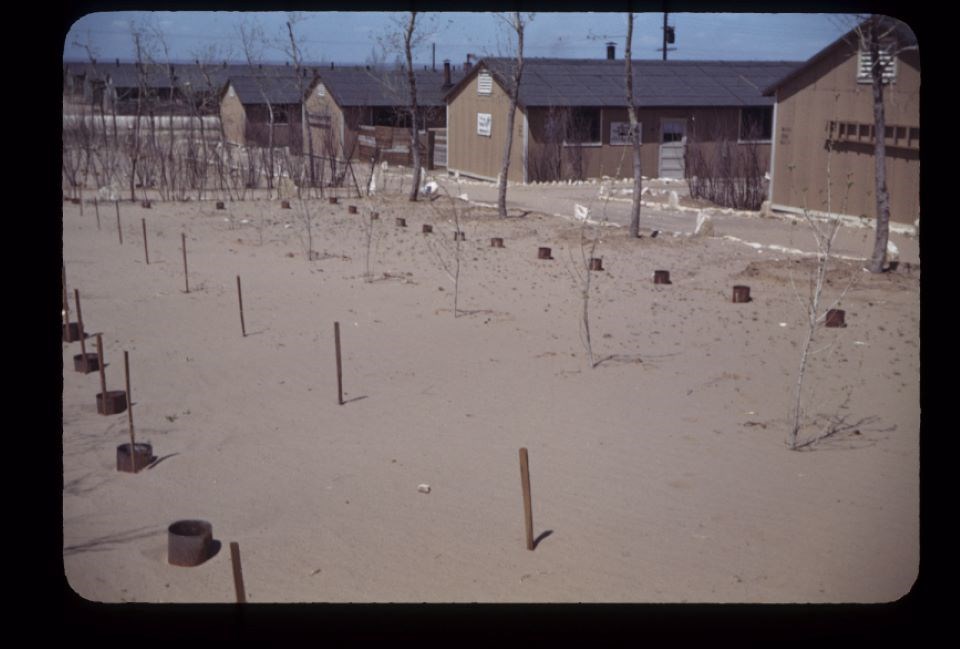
<point>620,133</point>
<point>484,121</point>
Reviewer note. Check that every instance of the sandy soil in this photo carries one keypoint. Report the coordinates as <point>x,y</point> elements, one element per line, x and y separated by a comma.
<point>660,475</point>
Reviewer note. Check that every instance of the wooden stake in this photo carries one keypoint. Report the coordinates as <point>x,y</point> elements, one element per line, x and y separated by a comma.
<point>183,240</point>
<point>81,201</point>
<point>527,507</point>
<point>243,327</point>
<point>237,573</point>
<point>83,344</point>
<point>96,207</point>
<point>126,372</point>
<point>146,253</point>
<point>336,339</point>
<point>119,229</point>
<point>66,304</point>
<point>103,374</point>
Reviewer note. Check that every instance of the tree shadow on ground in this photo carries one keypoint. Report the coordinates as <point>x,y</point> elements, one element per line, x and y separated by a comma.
<point>110,541</point>
<point>838,433</point>
<point>625,359</point>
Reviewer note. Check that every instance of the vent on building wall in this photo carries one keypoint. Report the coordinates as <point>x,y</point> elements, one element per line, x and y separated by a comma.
<point>887,60</point>
<point>321,90</point>
<point>484,83</point>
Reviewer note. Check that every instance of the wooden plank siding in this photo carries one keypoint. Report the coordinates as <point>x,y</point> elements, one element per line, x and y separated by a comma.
<point>704,125</point>
<point>480,156</point>
<point>233,118</point>
<point>827,91</point>
<point>477,155</point>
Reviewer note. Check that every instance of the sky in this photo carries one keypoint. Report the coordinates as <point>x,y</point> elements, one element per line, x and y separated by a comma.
<point>355,37</point>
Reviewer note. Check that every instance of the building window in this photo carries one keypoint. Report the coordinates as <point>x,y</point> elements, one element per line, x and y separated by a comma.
<point>280,115</point>
<point>484,83</point>
<point>390,117</point>
<point>756,124</point>
<point>620,133</point>
<point>888,63</point>
<point>583,126</point>
<point>672,130</point>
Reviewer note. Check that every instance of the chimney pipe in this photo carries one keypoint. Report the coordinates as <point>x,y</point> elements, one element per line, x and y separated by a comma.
<point>467,64</point>
<point>118,63</point>
<point>611,51</point>
<point>446,73</point>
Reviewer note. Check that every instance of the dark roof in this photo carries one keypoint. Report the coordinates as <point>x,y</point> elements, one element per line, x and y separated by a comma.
<point>600,82</point>
<point>275,89</point>
<point>904,35</point>
<point>212,75</point>
<point>372,86</point>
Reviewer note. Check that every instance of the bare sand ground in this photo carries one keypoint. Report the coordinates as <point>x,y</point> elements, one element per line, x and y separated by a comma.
<point>660,475</point>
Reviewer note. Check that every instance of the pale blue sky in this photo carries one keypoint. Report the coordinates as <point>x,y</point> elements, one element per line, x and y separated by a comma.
<point>351,37</point>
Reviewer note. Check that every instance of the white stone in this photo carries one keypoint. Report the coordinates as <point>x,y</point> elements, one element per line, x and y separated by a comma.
<point>704,227</point>
<point>893,253</point>
<point>674,200</point>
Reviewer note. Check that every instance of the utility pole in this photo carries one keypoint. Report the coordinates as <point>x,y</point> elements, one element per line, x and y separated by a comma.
<point>669,36</point>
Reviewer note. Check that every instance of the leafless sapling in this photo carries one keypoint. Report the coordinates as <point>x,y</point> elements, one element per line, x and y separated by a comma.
<point>447,252</point>
<point>824,231</point>
<point>635,134</point>
<point>517,23</point>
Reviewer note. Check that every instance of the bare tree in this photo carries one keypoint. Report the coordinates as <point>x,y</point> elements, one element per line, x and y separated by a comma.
<point>635,135</point>
<point>824,232</point>
<point>201,97</point>
<point>168,162</point>
<point>724,171</point>
<point>403,38</point>
<point>545,160</point>
<point>517,23</point>
<point>293,48</point>
<point>409,42</point>
<point>137,35</point>
<point>449,255</point>
<point>306,216</point>
<point>582,269</point>
<point>252,42</point>
<point>103,157</point>
<point>877,35</point>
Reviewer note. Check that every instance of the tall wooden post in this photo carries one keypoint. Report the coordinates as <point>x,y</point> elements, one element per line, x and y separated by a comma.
<point>146,253</point>
<point>119,228</point>
<point>237,573</point>
<point>133,446</point>
<point>66,305</point>
<point>83,344</point>
<point>527,505</point>
<point>243,327</point>
<point>336,340</point>
<point>183,241</point>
